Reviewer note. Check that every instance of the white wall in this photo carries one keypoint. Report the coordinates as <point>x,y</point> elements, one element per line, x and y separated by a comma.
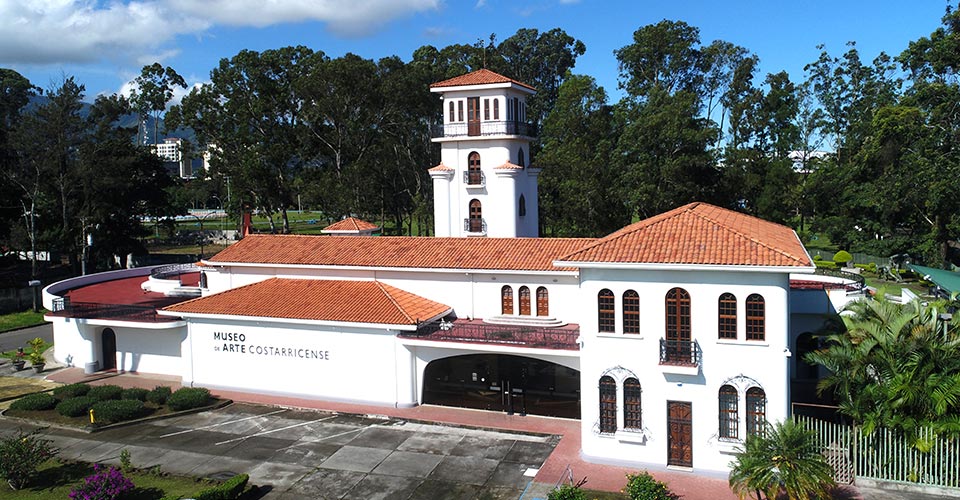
<point>141,347</point>
<point>741,363</point>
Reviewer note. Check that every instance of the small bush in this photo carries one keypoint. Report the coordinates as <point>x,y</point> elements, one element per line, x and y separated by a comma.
<point>105,392</point>
<point>106,483</point>
<point>817,257</point>
<point>71,391</point>
<point>34,402</point>
<point>842,257</point>
<point>21,454</point>
<point>135,393</point>
<point>567,492</point>
<point>159,395</point>
<point>76,407</point>
<point>643,486</point>
<point>110,411</point>
<point>186,398</point>
<point>229,490</point>
<point>825,264</point>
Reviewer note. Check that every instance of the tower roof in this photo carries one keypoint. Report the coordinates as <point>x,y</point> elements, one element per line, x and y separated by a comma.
<point>479,77</point>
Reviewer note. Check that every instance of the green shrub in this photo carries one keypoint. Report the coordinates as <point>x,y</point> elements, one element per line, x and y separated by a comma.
<point>186,398</point>
<point>643,486</point>
<point>134,393</point>
<point>76,407</point>
<point>71,391</point>
<point>34,402</point>
<point>105,392</point>
<point>567,492</point>
<point>21,454</point>
<point>825,264</point>
<point>842,257</point>
<point>159,395</point>
<point>817,258</point>
<point>229,490</point>
<point>110,411</point>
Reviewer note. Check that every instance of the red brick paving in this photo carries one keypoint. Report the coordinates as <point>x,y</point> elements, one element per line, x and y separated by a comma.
<point>599,477</point>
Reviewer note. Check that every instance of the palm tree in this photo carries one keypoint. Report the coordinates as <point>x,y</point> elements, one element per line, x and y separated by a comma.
<point>896,366</point>
<point>784,460</point>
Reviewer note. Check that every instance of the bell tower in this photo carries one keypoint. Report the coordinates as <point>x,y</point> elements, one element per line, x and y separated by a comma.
<point>484,184</point>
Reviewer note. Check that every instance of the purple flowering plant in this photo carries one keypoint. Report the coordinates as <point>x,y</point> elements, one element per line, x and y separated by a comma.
<point>106,483</point>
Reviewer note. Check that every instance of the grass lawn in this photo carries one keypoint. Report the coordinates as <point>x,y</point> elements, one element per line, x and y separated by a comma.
<point>24,319</point>
<point>57,478</point>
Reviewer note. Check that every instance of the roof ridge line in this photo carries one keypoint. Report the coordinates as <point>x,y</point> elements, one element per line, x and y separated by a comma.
<point>603,240</point>
<point>750,238</point>
<point>393,301</point>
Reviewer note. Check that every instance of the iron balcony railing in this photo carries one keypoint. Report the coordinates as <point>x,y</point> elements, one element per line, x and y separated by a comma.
<point>163,272</point>
<point>680,352</point>
<point>474,225</point>
<point>93,310</point>
<point>484,128</point>
<point>521,336</point>
<point>476,179</point>
<point>858,282</point>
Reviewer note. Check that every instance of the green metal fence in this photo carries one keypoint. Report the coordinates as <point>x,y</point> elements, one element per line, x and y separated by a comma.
<point>885,455</point>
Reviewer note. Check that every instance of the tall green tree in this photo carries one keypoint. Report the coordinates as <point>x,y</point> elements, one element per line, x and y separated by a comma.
<point>154,91</point>
<point>15,93</point>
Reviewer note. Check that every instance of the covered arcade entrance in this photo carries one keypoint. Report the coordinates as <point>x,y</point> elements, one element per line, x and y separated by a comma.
<point>503,382</point>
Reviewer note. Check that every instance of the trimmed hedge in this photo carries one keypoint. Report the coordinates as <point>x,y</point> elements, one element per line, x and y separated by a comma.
<point>34,402</point>
<point>159,395</point>
<point>76,407</point>
<point>110,411</point>
<point>186,398</point>
<point>135,393</point>
<point>825,264</point>
<point>105,392</point>
<point>229,490</point>
<point>71,391</point>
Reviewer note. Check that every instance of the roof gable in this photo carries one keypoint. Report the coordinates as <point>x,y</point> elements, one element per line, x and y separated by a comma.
<point>319,300</point>
<point>507,254</point>
<point>479,77</point>
<point>698,234</point>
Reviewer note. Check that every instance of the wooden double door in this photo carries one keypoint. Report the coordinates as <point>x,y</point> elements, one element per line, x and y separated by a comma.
<point>680,433</point>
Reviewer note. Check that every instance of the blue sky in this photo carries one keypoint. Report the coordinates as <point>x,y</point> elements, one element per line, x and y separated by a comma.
<point>104,43</point>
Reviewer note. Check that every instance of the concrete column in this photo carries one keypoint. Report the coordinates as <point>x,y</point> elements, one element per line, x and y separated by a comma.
<point>441,202</point>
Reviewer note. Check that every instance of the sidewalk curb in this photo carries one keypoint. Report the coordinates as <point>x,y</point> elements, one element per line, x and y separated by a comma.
<point>92,430</point>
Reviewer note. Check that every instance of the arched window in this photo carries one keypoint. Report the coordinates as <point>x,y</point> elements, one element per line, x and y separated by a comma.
<point>631,312</point>
<point>678,348</point>
<point>496,109</point>
<point>727,317</point>
<point>729,412</point>
<point>506,300</point>
<point>476,217</point>
<point>522,209</point>
<point>756,410</point>
<point>756,329</point>
<point>474,175</point>
<point>453,116</point>
<point>606,321</point>
<point>631,404</point>
<point>543,302</point>
<point>521,161</point>
<point>203,280</point>
<point>608,405</point>
<point>459,111</point>
<point>524,294</point>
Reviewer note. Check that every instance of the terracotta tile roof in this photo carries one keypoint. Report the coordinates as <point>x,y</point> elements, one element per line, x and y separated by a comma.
<point>319,300</point>
<point>513,254</point>
<point>440,168</point>
<point>351,224</point>
<point>479,77</point>
<point>698,233</point>
<point>508,166</point>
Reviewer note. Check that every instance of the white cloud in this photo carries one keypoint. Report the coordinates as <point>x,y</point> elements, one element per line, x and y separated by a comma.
<point>69,31</point>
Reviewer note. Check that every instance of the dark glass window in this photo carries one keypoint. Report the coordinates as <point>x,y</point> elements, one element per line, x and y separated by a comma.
<point>608,405</point>
<point>727,317</point>
<point>756,410</point>
<point>486,109</point>
<point>631,404</point>
<point>459,111</point>
<point>756,329</point>
<point>496,109</point>
<point>729,413</point>
<point>631,312</point>
<point>606,321</point>
<point>522,209</point>
<point>453,116</point>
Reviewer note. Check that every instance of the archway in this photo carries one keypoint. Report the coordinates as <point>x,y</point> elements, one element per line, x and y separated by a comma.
<point>108,344</point>
<point>503,382</point>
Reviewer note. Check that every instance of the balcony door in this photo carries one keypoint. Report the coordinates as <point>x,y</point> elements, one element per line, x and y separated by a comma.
<point>476,217</point>
<point>678,345</point>
<point>524,301</point>
<point>473,116</point>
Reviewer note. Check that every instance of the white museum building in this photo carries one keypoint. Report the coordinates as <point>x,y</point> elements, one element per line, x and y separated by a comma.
<point>670,339</point>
